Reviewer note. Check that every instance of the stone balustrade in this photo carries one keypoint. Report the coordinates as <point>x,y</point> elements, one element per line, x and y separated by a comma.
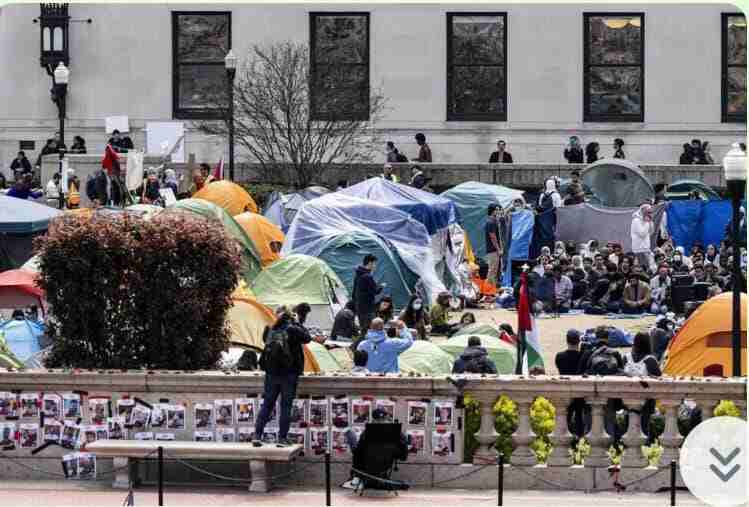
<point>560,391</point>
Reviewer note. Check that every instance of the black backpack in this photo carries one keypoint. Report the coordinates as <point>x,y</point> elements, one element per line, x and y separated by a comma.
<point>603,362</point>
<point>547,202</point>
<point>277,355</point>
<point>400,157</point>
<point>91,187</point>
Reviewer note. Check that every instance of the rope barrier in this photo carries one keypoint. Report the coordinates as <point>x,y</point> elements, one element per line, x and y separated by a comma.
<point>240,479</point>
<point>18,462</point>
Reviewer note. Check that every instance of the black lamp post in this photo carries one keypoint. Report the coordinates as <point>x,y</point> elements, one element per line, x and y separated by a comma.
<point>59,92</point>
<point>230,62</point>
<point>734,167</point>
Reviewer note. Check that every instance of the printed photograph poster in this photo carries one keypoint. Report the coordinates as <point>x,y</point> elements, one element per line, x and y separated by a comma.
<point>225,434</point>
<point>7,434</point>
<point>29,405</point>
<point>116,428</point>
<point>362,410</point>
<point>339,408</point>
<point>246,410</point>
<point>298,436</point>
<point>125,408</point>
<point>70,434</point>
<point>164,436</point>
<point>8,404</point>
<point>299,413</point>
<point>270,435</point>
<point>87,434</point>
<point>442,443</point>
<point>144,435</point>
<point>71,405</point>
<point>101,432</point>
<point>318,412</point>
<point>175,417</point>
<point>97,410</point>
<point>319,440</point>
<point>158,415</point>
<point>417,413</point>
<point>203,436</point>
<point>70,465</point>
<point>86,465</point>
<point>52,406</point>
<point>29,435</point>
<point>204,416</point>
<point>338,440</point>
<point>224,412</point>
<point>139,416</point>
<point>52,431</point>
<point>388,407</point>
<point>245,434</point>
<point>443,413</point>
<point>416,441</point>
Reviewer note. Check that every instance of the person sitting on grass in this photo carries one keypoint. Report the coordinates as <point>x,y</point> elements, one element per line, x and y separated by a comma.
<point>474,359</point>
<point>636,296</point>
<point>416,317</point>
<point>439,315</point>
<point>466,319</point>
<point>360,362</point>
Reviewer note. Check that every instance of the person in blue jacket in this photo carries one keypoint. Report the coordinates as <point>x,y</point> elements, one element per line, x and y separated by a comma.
<point>383,350</point>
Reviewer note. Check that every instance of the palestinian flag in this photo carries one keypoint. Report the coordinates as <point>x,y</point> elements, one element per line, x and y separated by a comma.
<point>218,171</point>
<point>529,346</point>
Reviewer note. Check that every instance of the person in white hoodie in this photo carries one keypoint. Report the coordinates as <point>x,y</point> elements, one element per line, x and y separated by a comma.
<point>641,231</point>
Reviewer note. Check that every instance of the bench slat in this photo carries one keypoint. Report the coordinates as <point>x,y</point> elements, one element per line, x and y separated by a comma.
<point>193,450</point>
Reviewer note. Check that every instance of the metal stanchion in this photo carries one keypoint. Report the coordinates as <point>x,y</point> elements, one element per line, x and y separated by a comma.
<point>161,476</point>
<point>327,479</point>
<point>501,480</point>
<point>673,483</point>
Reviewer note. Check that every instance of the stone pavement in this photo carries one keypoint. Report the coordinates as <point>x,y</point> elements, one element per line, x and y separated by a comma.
<point>85,494</point>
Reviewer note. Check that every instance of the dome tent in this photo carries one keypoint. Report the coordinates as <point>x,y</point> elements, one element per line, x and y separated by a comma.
<point>22,337</point>
<point>247,320</point>
<point>332,214</point>
<point>229,196</point>
<point>262,232</point>
<point>344,252</point>
<point>502,353</point>
<point>250,258</point>
<point>281,208</point>
<point>617,183</point>
<point>20,222</point>
<point>425,358</point>
<point>472,200</point>
<point>302,279</point>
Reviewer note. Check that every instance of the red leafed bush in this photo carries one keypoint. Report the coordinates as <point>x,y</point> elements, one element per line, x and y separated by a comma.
<point>130,293</point>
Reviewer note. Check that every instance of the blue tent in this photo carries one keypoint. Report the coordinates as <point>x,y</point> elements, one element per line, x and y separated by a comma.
<point>329,216</point>
<point>522,235</point>
<point>344,252</point>
<point>433,211</point>
<point>472,200</point>
<point>281,208</point>
<point>22,337</point>
<point>697,220</point>
<point>20,222</point>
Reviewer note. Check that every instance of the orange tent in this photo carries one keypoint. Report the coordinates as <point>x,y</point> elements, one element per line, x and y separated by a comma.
<point>702,347</point>
<point>262,232</point>
<point>247,320</point>
<point>229,196</point>
<point>18,289</point>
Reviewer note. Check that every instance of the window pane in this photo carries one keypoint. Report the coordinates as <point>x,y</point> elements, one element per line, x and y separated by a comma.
<point>202,86</point>
<point>341,90</point>
<point>478,40</point>
<point>615,91</point>
<point>614,40</point>
<point>478,90</point>
<point>736,46</point>
<point>341,39</point>
<point>736,88</point>
<point>203,37</point>
<point>57,39</point>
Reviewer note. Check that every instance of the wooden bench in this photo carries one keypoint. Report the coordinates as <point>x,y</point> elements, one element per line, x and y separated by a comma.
<point>259,457</point>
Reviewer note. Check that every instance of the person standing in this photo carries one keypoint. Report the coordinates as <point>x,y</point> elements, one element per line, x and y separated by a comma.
<point>120,143</point>
<point>575,192</point>
<point>698,156</point>
<point>171,181</point>
<point>393,155</point>
<point>618,151</point>
<point>686,157</point>
<point>425,153</point>
<point>591,152</point>
<point>500,156</point>
<point>642,229</point>
<point>365,291</point>
<point>52,191</point>
<point>387,174</point>
<point>79,146</point>
<point>493,242</point>
<point>383,351</point>
<point>20,165</point>
<point>283,362</point>
<point>344,324</point>
<point>550,198</point>
<point>567,362</point>
<point>573,152</point>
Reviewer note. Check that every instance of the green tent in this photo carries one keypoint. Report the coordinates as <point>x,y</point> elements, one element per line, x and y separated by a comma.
<point>7,358</point>
<point>302,279</point>
<point>425,358</point>
<point>326,362</point>
<point>472,199</point>
<point>344,252</point>
<point>502,353</point>
<point>475,329</point>
<point>250,258</point>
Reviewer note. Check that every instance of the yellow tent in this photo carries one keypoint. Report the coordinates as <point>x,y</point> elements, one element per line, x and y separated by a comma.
<point>262,232</point>
<point>229,196</point>
<point>702,347</point>
<point>247,320</point>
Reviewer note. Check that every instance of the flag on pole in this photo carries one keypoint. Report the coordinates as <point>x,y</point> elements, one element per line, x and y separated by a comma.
<point>529,346</point>
<point>218,171</point>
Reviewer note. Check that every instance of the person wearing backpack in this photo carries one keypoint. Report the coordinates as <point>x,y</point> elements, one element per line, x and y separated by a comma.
<point>283,363</point>
<point>474,359</point>
<point>550,197</point>
<point>641,362</point>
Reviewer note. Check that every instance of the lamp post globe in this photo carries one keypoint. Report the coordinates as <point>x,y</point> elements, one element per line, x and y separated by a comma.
<point>62,74</point>
<point>734,169</point>
<point>230,63</point>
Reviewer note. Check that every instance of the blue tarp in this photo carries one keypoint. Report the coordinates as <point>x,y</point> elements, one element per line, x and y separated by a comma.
<point>696,220</point>
<point>22,337</point>
<point>472,199</point>
<point>522,236</point>
<point>433,211</point>
<point>20,216</point>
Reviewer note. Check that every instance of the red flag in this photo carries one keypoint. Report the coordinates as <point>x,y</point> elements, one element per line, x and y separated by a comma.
<point>110,159</point>
<point>218,171</point>
<point>524,307</point>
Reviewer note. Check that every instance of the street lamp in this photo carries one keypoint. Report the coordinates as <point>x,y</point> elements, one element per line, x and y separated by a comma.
<point>59,91</point>
<point>230,62</point>
<point>734,168</point>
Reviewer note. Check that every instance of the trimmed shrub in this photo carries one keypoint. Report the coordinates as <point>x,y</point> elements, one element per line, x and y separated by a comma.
<point>130,293</point>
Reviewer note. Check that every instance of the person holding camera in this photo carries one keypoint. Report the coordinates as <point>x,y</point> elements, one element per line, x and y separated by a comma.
<point>365,292</point>
<point>574,152</point>
<point>384,346</point>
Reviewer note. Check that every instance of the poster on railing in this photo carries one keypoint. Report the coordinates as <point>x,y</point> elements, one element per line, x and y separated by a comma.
<point>71,405</point>
<point>29,435</point>
<point>203,436</point>
<point>319,440</point>
<point>338,440</point>
<point>203,416</point>
<point>175,417</point>
<point>116,428</point>
<point>246,410</point>
<point>165,437</point>
<point>416,441</point>
<point>298,416</point>
<point>70,465</point>
<point>158,415</point>
<point>87,434</point>
<point>443,443</point>
<point>97,410</point>
<point>7,434</point>
<point>224,412</point>
<point>139,417</point>
<point>29,405</point>
<point>339,408</point>
<point>298,436</point>
<point>86,465</point>
<point>125,408</point>
<point>270,435</point>
<point>70,435</point>
<point>245,434</point>
<point>52,431</point>
<point>224,434</point>
<point>101,432</point>
<point>443,413</point>
<point>144,435</point>
<point>8,404</point>
<point>52,405</point>
<point>362,410</point>
<point>387,408</point>
<point>318,412</point>
<point>417,413</point>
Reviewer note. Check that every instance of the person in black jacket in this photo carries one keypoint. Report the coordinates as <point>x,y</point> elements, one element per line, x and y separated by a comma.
<point>474,359</point>
<point>344,324</point>
<point>108,191</point>
<point>573,152</point>
<point>500,156</point>
<point>20,164</point>
<point>279,379</point>
<point>365,291</point>
<point>119,143</point>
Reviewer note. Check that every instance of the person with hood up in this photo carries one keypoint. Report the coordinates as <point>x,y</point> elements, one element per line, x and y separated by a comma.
<point>365,291</point>
<point>474,359</point>
<point>383,351</point>
<point>550,197</point>
<point>642,229</point>
<point>171,181</point>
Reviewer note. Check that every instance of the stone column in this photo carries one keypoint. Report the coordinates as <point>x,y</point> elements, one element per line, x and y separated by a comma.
<point>487,435</point>
<point>523,436</point>
<point>122,474</point>
<point>634,438</point>
<point>671,438</point>
<point>259,473</point>
<point>598,438</point>
<point>707,407</point>
<point>561,438</point>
